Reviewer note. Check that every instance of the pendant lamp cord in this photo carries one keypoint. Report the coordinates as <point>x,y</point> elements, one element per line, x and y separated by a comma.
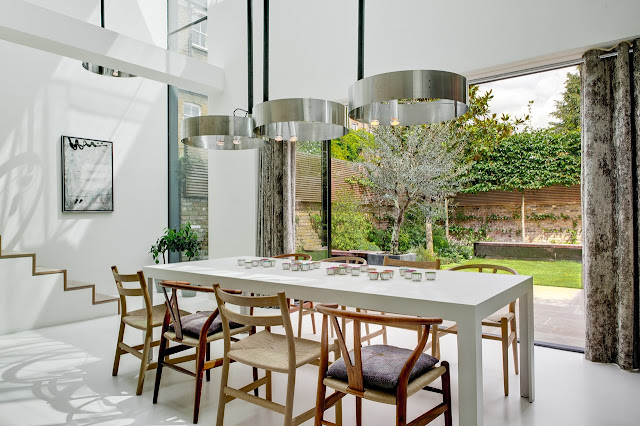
<point>249,57</point>
<point>360,39</point>
<point>265,58</point>
<point>102,13</point>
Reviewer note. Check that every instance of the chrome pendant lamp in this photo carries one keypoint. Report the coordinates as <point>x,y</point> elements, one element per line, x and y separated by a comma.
<point>99,69</point>
<point>405,98</point>
<point>296,119</point>
<point>223,132</point>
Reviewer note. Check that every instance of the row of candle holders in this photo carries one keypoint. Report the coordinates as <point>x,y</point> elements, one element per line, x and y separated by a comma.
<point>254,263</point>
<point>385,275</point>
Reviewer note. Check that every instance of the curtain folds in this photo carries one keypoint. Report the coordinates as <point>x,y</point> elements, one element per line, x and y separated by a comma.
<point>276,199</point>
<point>610,205</point>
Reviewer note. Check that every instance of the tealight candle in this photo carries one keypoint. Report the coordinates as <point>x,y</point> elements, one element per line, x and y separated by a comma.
<point>342,271</point>
<point>286,266</point>
<point>241,262</point>
<point>416,276</point>
<point>408,272</point>
<point>430,275</point>
<point>390,271</point>
<point>272,263</point>
<point>373,275</point>
<point>402,271</point>
<point>316,265</point>
<point>331,271</point>
<point>355,271</point>
<point>305,266</point>
<point>295,266</point>
<point>385,275</point>
<point>364,268</point>
<point>266,263</point>
<point>255,262</point>
<point>248,264</point>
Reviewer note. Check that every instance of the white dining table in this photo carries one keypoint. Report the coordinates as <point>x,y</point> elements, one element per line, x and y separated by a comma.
<point>464,297</point>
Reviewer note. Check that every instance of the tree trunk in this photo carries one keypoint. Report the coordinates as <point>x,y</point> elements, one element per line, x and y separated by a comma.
<point>428,233</point>
<point>446,218</point>
<point>524,236</point>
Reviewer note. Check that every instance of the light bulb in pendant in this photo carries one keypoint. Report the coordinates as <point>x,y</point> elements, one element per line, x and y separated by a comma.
<point>375,114</point>
<point>236,141</point>
<point>116,73</point>
<point>393,113</point>
<point>292,132</point>
<point>278,132</point>
<point>220,142</point>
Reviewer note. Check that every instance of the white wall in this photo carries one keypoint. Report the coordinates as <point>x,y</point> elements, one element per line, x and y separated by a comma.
<point>313,53</point>
<point>45,96</point>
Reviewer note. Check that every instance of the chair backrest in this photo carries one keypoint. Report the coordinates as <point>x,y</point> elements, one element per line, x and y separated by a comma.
<point>140,290</point>
<point>223,298</point>
<point>354,367</point>
<point>294,256</point>
<point>411,263</point>
<point>347,259</point>
<point>173,310</point>
<point>488,268</point>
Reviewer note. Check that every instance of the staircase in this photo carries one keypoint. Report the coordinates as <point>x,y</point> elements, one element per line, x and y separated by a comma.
<point>35,297</point>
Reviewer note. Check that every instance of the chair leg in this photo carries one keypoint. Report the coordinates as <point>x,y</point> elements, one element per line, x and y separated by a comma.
<point>288,407</point>
<point>515,344</point>
<point>338,407</point>
<point>446,394</point>
<point>504,325</point>
<point>200,355</point>
<point>435,341</point>
<point>163,347</point>
<point>145,360</point>
<point>300,315</point>
<point>401,411</point>
<point>116,361</point>
<point>223,396</point>
<point>320,403</point>
<point>358,411</point>
<point>313,319</point>
<point>208,358</point>
<point>268,385</point>
<point>255,379</point>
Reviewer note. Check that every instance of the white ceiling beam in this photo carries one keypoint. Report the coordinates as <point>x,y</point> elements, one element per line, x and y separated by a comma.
<point>33,26</point>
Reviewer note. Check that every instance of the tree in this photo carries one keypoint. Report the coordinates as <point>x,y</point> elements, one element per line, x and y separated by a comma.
<point>568,108</point>
<point>409,166</point>
<point>348,147</point>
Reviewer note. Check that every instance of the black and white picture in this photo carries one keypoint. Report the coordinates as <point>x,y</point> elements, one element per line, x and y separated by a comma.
<point>87,175</point>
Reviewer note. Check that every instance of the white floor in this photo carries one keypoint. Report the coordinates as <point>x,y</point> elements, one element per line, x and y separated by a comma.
<point>62,376</point>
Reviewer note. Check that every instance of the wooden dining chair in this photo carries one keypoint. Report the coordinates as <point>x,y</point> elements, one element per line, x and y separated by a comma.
<point>145,319</point>
<point>197,331</point>
<point>434,264</point>
<point>303,307</point>
<point>267,351</point>
<point>501,321</point>
<point>380,373</point>
<point>368,335</point>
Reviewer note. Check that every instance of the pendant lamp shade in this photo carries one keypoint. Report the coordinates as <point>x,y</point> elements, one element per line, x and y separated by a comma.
<point>408,98</point>
<point>222,132</point>
<point>300,119</point>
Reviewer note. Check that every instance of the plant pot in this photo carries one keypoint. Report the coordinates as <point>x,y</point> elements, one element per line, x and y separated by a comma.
<point>378,258</point>
<point>188,293</point>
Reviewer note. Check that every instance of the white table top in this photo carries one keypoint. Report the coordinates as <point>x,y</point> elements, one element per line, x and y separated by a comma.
<point>462,289</point>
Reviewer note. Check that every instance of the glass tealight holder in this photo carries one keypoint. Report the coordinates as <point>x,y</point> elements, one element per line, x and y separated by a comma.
<point>295,266</point>
<point>255,262</point>
<point>430,275</point>
<point>408,272</point>
<point>390,271</point>
<point>305,266</point>
<point>266,263</point>
<point>316,265</point>
<point>342,271</point>
<point>385,275</point>
<point>241,262</point>
<point>364,268</point>
<point>286,266</point>
<point>416,276</point>
<point>248,264</point>
<point>355,271</point>
<point>402,271</point>
<point>373,275</point>
<point>331,271</point>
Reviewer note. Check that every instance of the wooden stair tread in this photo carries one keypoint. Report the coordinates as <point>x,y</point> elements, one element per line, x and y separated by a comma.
<point>40,270</point>
<point>77,285</point>
<point>104,298</point>
<point>6,253</point>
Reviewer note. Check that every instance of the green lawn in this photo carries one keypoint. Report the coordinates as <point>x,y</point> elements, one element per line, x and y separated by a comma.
<point>555,274</point>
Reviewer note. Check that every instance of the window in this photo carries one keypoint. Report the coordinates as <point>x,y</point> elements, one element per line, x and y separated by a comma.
<point>199,30</point>
<point>190,110</point>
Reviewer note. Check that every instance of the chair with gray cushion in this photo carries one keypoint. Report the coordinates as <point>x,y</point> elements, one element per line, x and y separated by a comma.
<point>380,373</point>
<point>190,331</point>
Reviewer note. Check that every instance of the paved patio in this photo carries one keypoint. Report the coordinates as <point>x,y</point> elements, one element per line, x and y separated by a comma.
<point>559,315</point>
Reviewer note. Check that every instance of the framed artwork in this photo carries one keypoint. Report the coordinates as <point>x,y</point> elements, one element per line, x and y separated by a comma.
<point>87,175</point>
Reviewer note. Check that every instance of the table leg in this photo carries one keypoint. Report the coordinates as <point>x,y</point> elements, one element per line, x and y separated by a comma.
<point>527,376</point>
<point>470,397</point>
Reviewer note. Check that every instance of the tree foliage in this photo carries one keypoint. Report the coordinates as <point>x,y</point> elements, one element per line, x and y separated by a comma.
<point>568,108</point>
<point>418,165</point>
<point>528,161</point>
<point>349,147</point>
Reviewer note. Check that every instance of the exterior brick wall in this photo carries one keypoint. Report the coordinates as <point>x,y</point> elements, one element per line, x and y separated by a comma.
<point>196,211</point>
<point>306,236</point>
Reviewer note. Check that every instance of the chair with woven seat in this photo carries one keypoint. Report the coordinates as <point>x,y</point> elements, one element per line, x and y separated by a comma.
<point>304,307</point>
<point>197,331</point>
<point>380,373</point>
<point>264,350</point>
<point>145,319</point>
<point>501,321</point>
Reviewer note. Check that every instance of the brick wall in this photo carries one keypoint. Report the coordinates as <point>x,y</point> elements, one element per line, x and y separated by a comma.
<point>307,237</point>
<point>195,211</point>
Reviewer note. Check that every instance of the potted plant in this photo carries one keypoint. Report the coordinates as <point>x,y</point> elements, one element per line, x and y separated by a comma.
<point>183,240</point>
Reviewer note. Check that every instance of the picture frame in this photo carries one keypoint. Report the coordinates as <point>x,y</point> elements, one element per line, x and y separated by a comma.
<point>87,175</point>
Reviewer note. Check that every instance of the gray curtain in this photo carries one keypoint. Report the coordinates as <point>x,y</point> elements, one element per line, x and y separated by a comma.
<point>276,199</point>
<point>610,158</point>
